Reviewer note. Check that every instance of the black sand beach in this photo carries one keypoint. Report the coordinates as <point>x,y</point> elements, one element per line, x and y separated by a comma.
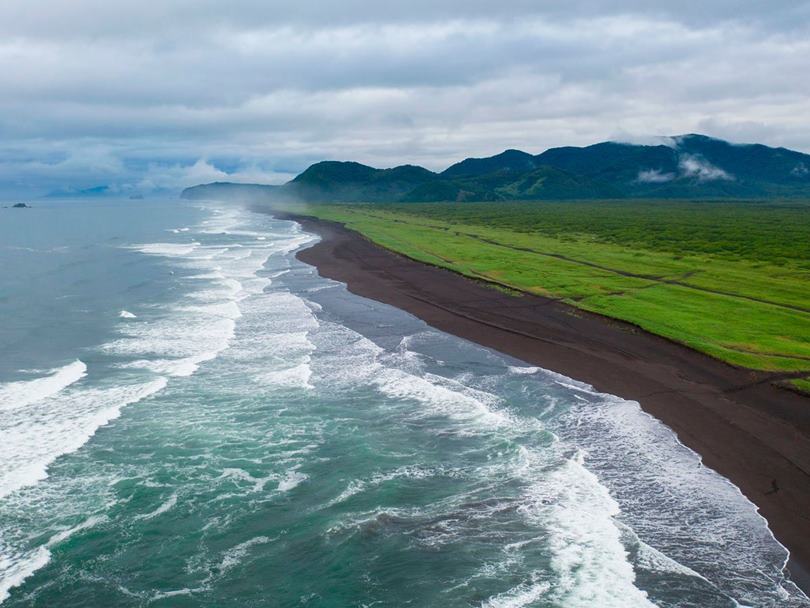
<point>748,429</point>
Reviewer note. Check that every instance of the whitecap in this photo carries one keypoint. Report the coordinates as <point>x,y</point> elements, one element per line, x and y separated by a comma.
<point>517,597</point>
<point>178,368</point>
<point>293,377</point>
<point>13,571</point>
<point>67,533</point>
<point>162,595</point>
<point>167,249</point>
<point>590,563</point>
<point>455,402</point>
<point>235,555</point>
<point>168,504</point>
<point>651,558</point>
<point>291,480</point>
<point>15,395</point>
<point>357,486</point>
<point>59,426</point>
<point>514,369</point>
<point>242,475</point>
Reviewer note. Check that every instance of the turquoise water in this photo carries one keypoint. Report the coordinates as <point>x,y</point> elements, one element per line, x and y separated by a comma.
<point>191,417</point>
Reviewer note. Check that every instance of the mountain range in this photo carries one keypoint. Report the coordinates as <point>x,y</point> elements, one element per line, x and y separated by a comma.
<point>686,166</point>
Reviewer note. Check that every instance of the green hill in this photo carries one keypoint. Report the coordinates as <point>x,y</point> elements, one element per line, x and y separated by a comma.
<point>511,160</point>
<point>348,181</point>
<point>231,191</point>
<point>684,167</point>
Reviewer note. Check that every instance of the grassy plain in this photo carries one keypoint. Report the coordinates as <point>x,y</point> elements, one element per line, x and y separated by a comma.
<point>730,279</point>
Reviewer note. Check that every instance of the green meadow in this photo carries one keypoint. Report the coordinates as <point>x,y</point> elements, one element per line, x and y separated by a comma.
<point>730,279</point>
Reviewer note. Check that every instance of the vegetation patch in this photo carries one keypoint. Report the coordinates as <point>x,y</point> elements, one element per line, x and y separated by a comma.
<point>730,279</point>
<point>802,384</point>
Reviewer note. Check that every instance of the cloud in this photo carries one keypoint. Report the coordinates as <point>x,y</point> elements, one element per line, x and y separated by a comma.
<point>654,176</point>
<point>173,178</point>
<point>645,140</point>
<point>99,18</point>
<point>699,168</point>
<point>102,166</point>
<point>137,92</point>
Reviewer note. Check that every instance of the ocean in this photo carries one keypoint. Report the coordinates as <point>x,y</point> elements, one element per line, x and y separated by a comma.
<point>189,416</point>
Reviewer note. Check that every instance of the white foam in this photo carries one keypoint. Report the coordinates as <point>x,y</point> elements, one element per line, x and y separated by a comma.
<point>14,395</point>
<point>179,342</point>
<point>292,377</point>
<point>174,341</point>
<point>162,595</point>
<point>213,275</point>
<point>235,555</point>
<point>514,369</point>
<point>67,533</point>
<point>292,480</point>
<point>522,595</point>
<point>227,310</point>
<point>277,329</point>
<point>668,482</point>
<point>258,483</point>
<point>357,486</point>
<point>590,562</point>
<point>178,368</point>
<point>14,570</point>
<point>168,504</point>
<point>58,426</point>
<point>477,407</point>
<point>345,358</point>
<point>652,559</point>
<point>167,249</point>
<point>578,387</point>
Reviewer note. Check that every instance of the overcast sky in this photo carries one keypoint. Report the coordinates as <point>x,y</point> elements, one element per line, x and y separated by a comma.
<point>161,94</point>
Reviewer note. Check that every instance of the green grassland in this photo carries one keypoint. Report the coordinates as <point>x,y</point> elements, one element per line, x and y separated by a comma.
<point>730,279</point>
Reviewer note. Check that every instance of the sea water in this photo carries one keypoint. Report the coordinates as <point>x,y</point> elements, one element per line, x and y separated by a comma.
<point>189,416</point>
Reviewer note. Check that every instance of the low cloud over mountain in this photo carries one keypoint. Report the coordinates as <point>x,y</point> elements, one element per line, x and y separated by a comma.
<point>120,93</point>
<point>688,166</point>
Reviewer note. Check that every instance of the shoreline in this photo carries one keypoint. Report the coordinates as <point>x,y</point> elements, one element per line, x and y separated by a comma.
<point>752,432</point>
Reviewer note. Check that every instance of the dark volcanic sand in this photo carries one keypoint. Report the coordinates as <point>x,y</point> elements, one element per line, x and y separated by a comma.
<point>752,432</point>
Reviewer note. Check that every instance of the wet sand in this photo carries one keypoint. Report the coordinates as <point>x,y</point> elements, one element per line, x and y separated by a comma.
<point>748,429</point>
